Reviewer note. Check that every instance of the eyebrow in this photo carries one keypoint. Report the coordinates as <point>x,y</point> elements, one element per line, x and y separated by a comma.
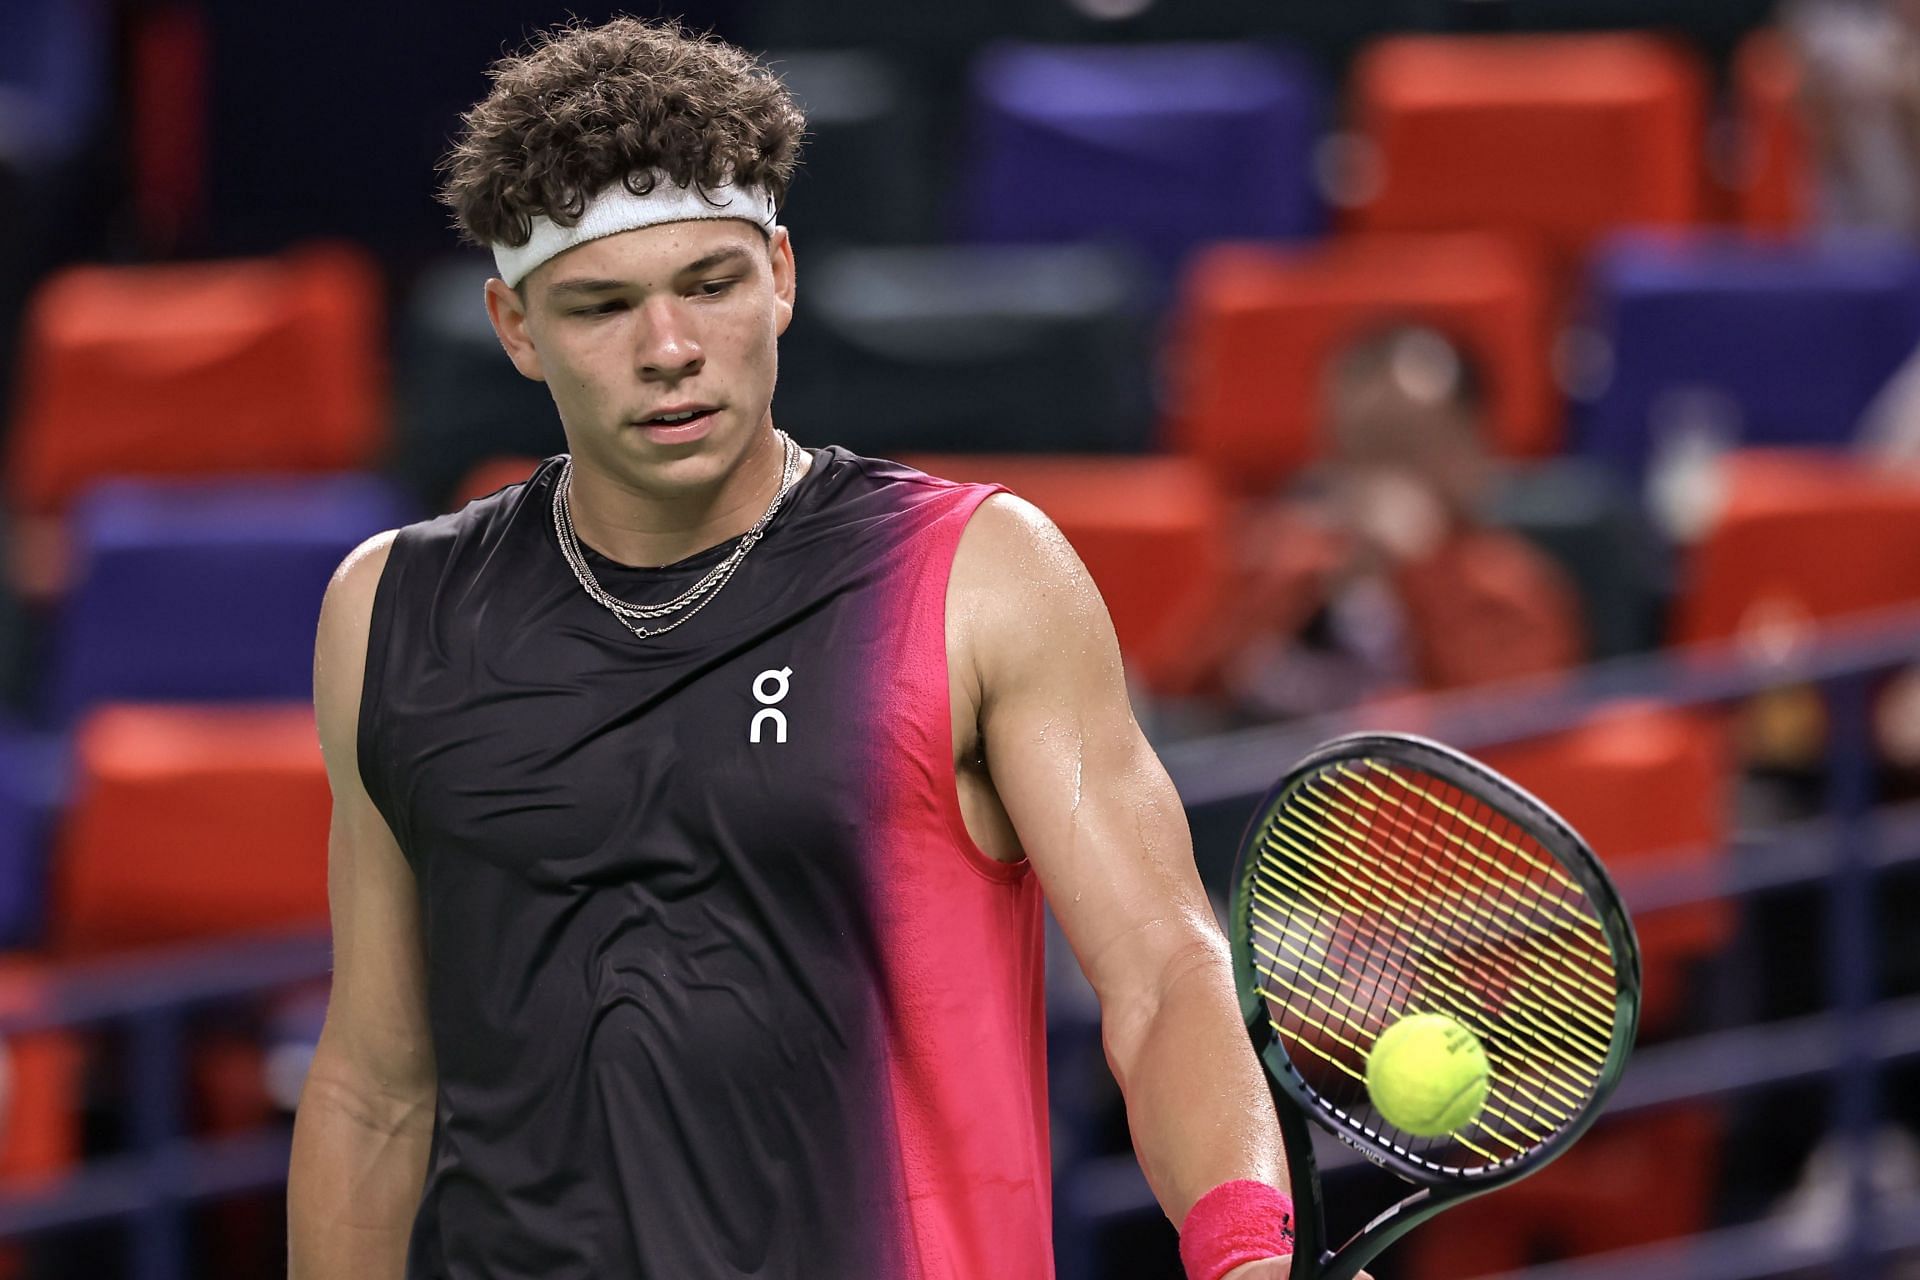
<point>720,257</point>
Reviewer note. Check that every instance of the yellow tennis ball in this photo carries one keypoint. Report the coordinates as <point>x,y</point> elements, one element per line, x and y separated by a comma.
<point>1427,1075</point>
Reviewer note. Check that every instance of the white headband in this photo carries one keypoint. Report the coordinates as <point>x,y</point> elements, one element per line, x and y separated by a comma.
<point>617,209</point>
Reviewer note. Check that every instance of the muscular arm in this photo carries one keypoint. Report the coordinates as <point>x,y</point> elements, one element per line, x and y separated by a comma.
<point>1099,819</point>
<point>360,1138</point>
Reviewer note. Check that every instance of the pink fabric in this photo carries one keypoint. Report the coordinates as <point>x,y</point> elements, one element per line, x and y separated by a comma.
<point>1235,1223</point>
<point>961,949</point>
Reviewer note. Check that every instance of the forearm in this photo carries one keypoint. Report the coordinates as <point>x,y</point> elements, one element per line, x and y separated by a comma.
<point>354,1183</point>
<point>1197,1103</point>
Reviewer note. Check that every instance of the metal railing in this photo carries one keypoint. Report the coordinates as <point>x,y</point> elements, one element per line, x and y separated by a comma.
<point>165,1172</point>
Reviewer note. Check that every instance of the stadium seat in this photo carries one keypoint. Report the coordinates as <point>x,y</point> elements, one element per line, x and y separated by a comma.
<point>1785,550</point>
<point>40,1106</point>
<point>206,369</point>
<point>491,476</point>
<point>458,399</point>
<point>870,170</point>
<point>1162,147</point>
<point>1678,767</point>
<point>1750,343</point>
<point>1151,532</point>
<point>1555,140</point>
<point>1770,179</point>
<point>1643,1178</point>
<point>1014,348</point>
<point>225,577</point>
<point>191,822</point>
<point>1256,324</point>
<point>32,788</point>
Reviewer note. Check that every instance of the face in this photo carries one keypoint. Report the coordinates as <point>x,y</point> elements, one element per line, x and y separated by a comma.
<point>682,317</point>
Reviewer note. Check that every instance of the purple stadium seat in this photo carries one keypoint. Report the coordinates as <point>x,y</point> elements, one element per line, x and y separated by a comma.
<point>205,590</point>
<point>1162,146</point>
<point>32,787</point>
<point>1763,342</point>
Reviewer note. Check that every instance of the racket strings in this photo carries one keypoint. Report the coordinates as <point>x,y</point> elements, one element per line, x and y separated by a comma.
<point>1378,966</point>
<point>1521,910</point>
<point>1360,899</point>
<point>1378,893</point>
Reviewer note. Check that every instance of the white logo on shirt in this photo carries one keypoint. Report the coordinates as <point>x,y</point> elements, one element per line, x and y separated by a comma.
<point>767,698</point>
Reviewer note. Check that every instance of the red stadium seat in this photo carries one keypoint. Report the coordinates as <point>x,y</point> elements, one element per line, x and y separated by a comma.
<point>1555,140</point>
<point>1634,1180</point>
<point>1257,324</point>
<point>1678,767</point>
<point>189,822</point>
<point>491,476</point>
<point>1770,179</point>
<point>222,368</point>
<point>1785,549</point>
<point>1151,531</point>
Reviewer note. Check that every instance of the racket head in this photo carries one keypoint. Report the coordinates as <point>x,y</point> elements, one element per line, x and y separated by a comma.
<point>1387,875</point>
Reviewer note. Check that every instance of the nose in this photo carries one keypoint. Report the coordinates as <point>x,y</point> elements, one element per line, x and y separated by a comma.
<point>669,346</point>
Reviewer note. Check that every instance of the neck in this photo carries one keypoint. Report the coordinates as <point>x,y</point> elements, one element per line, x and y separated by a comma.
<point>631,524</point>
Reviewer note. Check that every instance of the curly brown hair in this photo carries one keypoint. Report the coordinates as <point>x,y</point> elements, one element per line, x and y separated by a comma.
<point>583,107</point>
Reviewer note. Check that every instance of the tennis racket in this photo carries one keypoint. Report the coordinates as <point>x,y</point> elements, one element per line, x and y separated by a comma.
<point>1386,876</point>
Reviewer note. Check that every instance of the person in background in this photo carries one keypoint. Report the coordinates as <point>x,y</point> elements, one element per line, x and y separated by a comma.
<point>1375,574</point>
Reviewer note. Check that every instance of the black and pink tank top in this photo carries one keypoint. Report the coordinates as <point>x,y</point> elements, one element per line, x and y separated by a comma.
<point>719,986</point>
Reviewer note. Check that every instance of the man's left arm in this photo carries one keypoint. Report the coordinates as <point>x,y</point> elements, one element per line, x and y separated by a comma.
<point>1099,819</point>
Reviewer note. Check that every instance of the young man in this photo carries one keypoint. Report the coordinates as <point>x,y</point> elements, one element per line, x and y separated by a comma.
<point>694,798</point>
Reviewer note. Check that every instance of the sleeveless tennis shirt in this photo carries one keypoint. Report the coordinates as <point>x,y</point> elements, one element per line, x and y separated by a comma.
<point>718,984</point>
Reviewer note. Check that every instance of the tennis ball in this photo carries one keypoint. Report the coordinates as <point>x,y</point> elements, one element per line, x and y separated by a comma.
<point>1427,1075</point>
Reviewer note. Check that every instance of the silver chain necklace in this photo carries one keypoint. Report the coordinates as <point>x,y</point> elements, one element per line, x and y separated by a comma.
<point>694,598</point>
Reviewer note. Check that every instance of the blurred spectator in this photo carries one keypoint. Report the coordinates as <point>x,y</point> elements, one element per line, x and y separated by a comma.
<point>1860,99</point>
<point>1375,575</point>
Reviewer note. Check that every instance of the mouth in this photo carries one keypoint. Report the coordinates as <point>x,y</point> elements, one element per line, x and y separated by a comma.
<point>678,425</point>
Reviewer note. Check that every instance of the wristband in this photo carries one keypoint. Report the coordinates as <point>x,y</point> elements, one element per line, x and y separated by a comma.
<point>1235,1223</point>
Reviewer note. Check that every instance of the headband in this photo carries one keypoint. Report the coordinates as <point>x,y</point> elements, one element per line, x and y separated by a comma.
<point>617,209</point>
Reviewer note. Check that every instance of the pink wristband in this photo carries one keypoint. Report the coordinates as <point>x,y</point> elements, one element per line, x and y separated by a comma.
<point>1234,1224</point>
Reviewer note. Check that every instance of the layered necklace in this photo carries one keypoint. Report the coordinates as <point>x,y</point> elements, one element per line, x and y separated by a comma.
<point>694,598</point>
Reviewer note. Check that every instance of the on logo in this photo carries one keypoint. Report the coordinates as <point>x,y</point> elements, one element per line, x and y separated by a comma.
<point>767,698</point>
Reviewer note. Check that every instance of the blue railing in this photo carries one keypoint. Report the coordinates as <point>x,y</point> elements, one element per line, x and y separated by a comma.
<point>150,1188</point>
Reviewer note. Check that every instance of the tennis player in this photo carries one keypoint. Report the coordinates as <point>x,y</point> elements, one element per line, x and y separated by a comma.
<point>694,799</point>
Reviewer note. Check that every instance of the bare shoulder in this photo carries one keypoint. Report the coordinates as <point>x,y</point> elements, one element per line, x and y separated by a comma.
<point>1024,597</point>
<point>1011,552</point>
<point>340,648</point>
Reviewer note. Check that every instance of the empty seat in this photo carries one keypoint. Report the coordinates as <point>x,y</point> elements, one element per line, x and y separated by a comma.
<point>869,171</point>
<point>1632,1180</point>
<point>1256,325</point>
<point>207,369</point>
<point>1151,532</point>
<point>1785,551</point>
<point>1771,180</point>
<point>1555,140</point>
<point>1042,349</point>
<point>1163,147</point>
<point>189,822</point>
<point>225,578</point>
<point>32,788</point>
<point>458,399</point>
<point>1677,767</point>
<point>1761,343</point>
<point>491,476</point>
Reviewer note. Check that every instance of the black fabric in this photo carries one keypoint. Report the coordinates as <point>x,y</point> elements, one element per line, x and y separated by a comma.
<point>650,951</point>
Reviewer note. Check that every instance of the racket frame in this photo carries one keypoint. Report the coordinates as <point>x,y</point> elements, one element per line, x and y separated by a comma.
<point>1293,1098</point>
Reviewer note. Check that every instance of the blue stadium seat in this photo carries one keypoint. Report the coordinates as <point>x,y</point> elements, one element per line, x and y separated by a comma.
<point>1761,343</point>
<point>32,787</point>
<point>1161,146</point>
<point>204,590</point>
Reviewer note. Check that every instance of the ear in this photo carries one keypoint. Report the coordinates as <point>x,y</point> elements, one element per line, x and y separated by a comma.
<point>509,316</point>
<point>780,247</point>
